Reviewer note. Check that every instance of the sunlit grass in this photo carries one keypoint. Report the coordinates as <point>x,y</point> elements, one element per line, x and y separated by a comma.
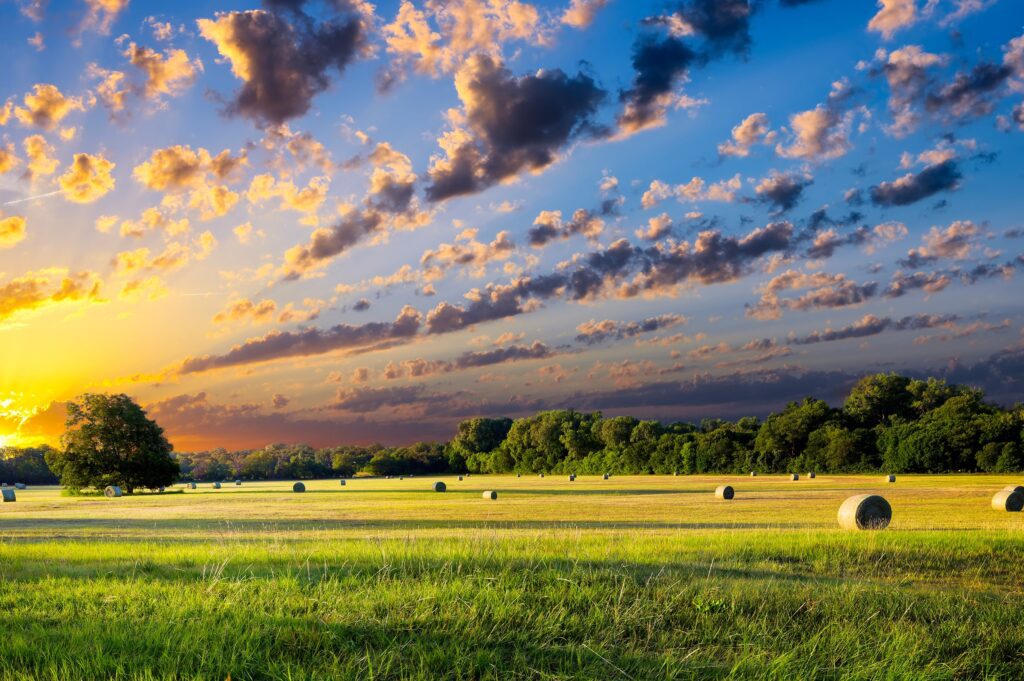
<point>634,577</point>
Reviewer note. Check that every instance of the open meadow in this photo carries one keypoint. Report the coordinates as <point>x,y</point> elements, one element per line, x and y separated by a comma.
<point>640,577</point>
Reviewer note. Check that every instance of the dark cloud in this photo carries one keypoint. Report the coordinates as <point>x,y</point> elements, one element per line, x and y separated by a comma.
<point>970,94</point>
<point>283,56</point>
<point>365,399</point>
<point>312,341</point>
<point>592,333</point>
<point>660,64</point>
<point>931,282</point>
<point>518,124</point>
<point>913,187</point>
<point>510,353</point>
<point>327,243</point>
<point>725,24</point>
<point>870,325</point>
<point>782,190</point>
<point>361,305</point>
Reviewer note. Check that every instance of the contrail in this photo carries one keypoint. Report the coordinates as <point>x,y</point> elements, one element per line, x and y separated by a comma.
<point>33,198</point>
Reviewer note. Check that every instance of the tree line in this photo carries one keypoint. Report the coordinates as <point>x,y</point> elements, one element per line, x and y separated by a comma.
<point>888,422</point>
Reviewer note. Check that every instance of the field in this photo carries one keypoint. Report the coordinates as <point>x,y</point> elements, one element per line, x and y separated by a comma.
<point>629,578</point>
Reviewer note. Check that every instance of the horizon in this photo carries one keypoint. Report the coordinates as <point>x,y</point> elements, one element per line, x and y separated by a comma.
<point>601,205</point>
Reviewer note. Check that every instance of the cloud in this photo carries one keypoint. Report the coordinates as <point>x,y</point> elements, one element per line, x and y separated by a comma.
<point>657,227</point>
<point>906,71</point>
<point>930,282</point>
<point>694,190</point>
<point>824,291</point>
<point>101,15</point>
<point>12,230</point>
<point>306,342</point>
<point>827,241</point>
<point>954,242</point>
<point>169,74</point>
<point>509,125</point>
<point>179,167</point>
<point>893,16</point>
<point>870,325</point>
<point>8,159</point>
<point>818,134</point>
<point>247,311</point>
<point>467,252</point>
<point>971,94</point>
<point>46,106</point>
<point>782,190</point>
<point>753,129</point>
<point>660,65</point>
<point>43,288</point>
<point>913,187</point>
<point>88,179</point>
<point>594,332</point>
<point>581,13</point>
<point>549,226</point>
<point>283,61</point>
<point>38,152</point>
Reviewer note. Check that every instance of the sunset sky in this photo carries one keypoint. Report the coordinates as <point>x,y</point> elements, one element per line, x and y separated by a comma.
<point>342,222</point>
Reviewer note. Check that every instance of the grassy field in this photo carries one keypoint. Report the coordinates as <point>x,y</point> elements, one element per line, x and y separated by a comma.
<point>629,578</point>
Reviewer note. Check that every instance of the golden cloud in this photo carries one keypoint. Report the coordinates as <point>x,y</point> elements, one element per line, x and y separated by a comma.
<point>45,107</point>
<point>88,179</point>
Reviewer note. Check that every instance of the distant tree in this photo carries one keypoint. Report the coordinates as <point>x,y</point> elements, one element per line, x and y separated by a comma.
<point>877,398</point>
<point>110,441</point>
<point>474,442</point>
<point>783,437</point>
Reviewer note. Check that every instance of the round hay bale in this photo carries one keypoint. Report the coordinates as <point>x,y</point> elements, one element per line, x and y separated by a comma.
<point>215,485</point>
<point>890,478</point>
<point>20,485</point>
<point>865,512</point>
<point>298,487</point>
<point>753,474</point>
<point>1014,488</point>
<point>794,476</point>
<point>490,494</point>
<point>811,476</point>
<point>191,485</point>
<point>725,492</point>
<point>401,477</point>
<point>238,483</point>
<point>542,475</point>
<point>160,490</point>
<point>1010,501</point>
<point>112,492</point>
<point>342,482</point>
<point>440,486</point>
<point>460,478</point>
<point>572,478</point>
<point>605,476</point>
<point>519,475</point>
<point>675,473</point>
<point>8,494</point>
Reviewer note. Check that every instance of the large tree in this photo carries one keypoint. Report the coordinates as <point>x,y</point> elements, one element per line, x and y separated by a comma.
<point>109,440</point>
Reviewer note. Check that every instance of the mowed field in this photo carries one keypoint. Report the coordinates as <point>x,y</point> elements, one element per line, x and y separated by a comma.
<point>646,577</point>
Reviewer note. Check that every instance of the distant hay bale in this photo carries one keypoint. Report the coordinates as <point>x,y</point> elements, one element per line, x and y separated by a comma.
<point>460,478</point>
<point>1007,500</point>
<point>401,477</point>
<point>519,475</point>
<point>342,482</point>
<point>215,485</point>
<point>238,483</point>
<point>191,485</point>
<point>794,476</point>
<point>865,512</point>
<point>811,475</point>
<point>753,474</point>
<point>725,492</point>
<point>160,490</point>
<point>605,476</point>
<point>675,473</point>
<point>20,485</point>
<point>112,492</point>
<point>572,478</point>
<point>440,486</point>
<point>8,495</point>
<point>298,487</point>
<point>542,475</point>
<point>1014,488</point>
<point>490,494</point>
<point>890,478</point>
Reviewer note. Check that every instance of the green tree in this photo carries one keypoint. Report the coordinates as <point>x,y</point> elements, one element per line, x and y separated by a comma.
<point>109,440</point>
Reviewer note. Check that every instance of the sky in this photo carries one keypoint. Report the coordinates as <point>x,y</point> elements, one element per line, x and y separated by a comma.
<point>341,222</point>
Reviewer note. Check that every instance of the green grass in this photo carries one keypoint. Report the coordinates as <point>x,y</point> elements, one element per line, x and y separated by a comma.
<point>630,578</point>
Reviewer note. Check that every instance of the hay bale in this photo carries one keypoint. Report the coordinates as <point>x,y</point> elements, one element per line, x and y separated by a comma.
<point>460,478</point>
<point>191,485</point>
<point>542,475</point>
<point>298,487</point>
<point>342,482</point>
<point>238,483</point>
<point>490,494</point>
<point>890,478</point>
<point>519,475</point>
<point>725,492</point>
<point>865,512</point>
<point>215,485</point>
<point>675,473</point>
<point>794,476</point>
<point>8,494</point>
<point>753,474</point>
<point>605,476</point>
<point>20,485</point>
<point>572,478</point>
<point>1014,488</point>
<point>440,486</point>
<point>160,490</point>
<point>112,492</point>
<point>1010,501</point>
<point>811,475</point>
